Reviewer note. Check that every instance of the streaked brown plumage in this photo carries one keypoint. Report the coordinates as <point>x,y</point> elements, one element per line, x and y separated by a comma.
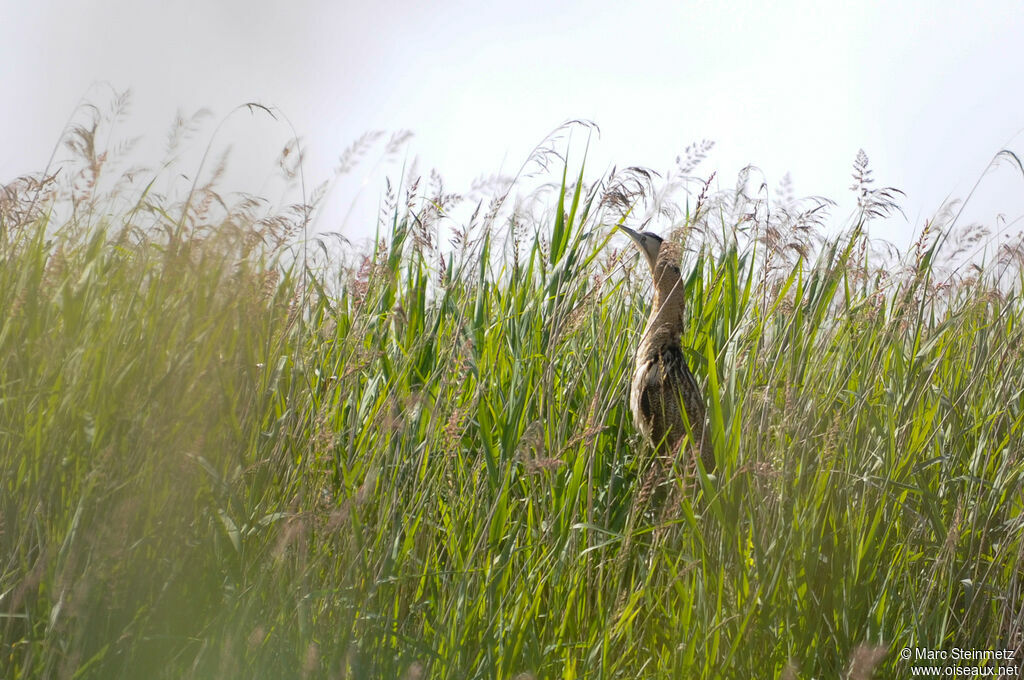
<point>662,383</point>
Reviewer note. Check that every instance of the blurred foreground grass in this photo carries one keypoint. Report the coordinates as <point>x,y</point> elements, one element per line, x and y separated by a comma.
<point>419,462</point>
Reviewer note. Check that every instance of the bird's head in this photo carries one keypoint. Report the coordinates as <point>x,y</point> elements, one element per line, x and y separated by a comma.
<point>663,260</point>
<point>648,242</point>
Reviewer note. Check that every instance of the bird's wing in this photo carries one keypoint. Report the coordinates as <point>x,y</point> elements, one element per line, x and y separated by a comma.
<point>687,394</point>
<point>667,389</point>
<point>676,375</point>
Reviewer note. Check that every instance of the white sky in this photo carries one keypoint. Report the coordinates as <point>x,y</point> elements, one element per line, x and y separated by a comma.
<point>931,90</point>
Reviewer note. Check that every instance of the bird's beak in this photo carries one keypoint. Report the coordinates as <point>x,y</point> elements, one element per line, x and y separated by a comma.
<point>632,234</point>
<point>642,244</point>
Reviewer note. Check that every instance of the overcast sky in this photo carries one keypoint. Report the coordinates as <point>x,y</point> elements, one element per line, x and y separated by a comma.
<point>930,90</point>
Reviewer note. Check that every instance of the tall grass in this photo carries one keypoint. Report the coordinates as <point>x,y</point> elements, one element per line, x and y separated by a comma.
<point>421,463</point>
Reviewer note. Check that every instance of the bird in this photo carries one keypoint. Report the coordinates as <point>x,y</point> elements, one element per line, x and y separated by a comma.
<point>663,388</point>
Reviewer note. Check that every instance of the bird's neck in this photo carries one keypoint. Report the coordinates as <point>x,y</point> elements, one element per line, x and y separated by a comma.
<point>665,323</point>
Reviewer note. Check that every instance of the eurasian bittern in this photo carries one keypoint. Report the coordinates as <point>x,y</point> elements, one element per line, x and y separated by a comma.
<point>662,383</point>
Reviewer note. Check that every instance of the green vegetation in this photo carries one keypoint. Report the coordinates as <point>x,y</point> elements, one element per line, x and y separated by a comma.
<point>218,462</point>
